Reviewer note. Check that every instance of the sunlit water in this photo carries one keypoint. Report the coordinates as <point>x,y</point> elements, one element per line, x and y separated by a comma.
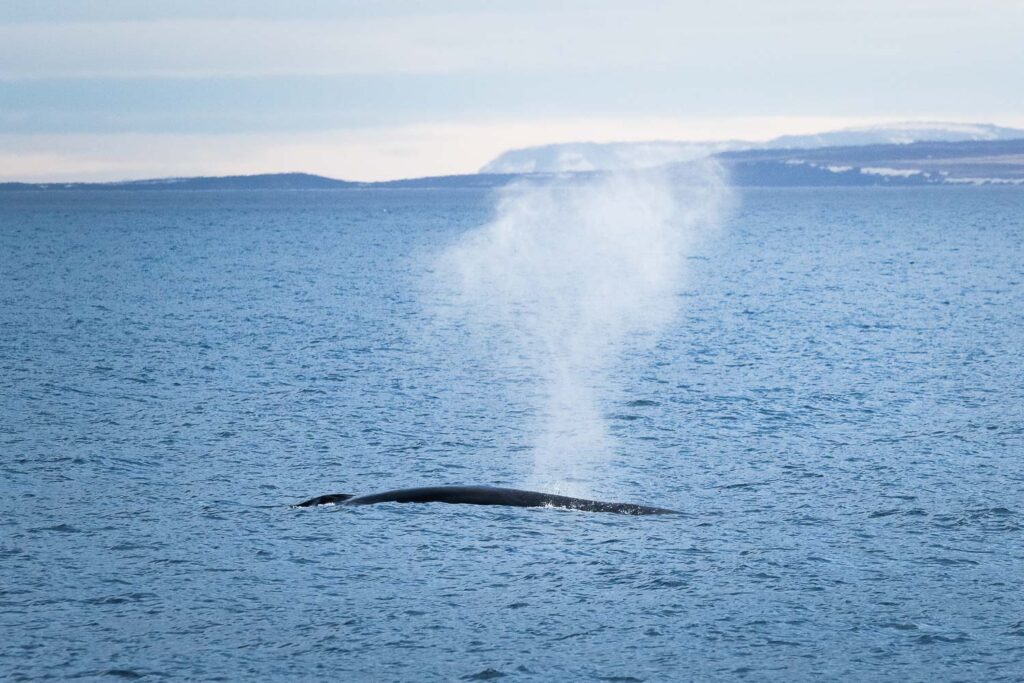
<point>838,410</point>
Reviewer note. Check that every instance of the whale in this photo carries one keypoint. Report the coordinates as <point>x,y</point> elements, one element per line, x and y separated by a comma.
<point>483,495</point>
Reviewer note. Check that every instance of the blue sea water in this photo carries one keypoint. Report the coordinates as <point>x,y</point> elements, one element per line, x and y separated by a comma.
<point>838,410</point>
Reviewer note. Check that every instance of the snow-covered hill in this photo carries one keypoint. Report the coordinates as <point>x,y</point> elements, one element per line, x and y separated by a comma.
<point>594,156</point>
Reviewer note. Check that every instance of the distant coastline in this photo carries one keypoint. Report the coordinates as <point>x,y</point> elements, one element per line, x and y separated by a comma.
<point>989,162</point>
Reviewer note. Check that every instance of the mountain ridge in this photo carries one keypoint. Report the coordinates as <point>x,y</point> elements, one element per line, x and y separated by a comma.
<point>594,156</point>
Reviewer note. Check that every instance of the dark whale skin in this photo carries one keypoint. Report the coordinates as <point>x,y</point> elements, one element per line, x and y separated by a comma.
<point>484,495</point>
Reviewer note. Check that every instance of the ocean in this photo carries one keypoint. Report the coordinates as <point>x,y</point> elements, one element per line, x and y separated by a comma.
<point>835,406</point>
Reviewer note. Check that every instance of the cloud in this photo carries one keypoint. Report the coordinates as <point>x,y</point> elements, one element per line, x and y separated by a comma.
<point>250,47</point>
<point>649,36</point>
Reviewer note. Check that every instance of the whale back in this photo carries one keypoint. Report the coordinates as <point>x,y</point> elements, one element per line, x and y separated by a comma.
<point>485,495</point>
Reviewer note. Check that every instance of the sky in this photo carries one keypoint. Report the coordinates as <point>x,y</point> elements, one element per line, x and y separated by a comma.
<point>120,89</point>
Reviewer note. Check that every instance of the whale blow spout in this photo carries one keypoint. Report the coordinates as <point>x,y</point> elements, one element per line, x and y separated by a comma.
<point>484,495</point>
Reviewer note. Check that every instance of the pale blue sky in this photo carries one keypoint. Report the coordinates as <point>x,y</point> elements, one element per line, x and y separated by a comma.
<point>119,89</point>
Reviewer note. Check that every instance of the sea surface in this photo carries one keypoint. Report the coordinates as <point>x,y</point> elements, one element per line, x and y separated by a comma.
<point>837,410</point>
